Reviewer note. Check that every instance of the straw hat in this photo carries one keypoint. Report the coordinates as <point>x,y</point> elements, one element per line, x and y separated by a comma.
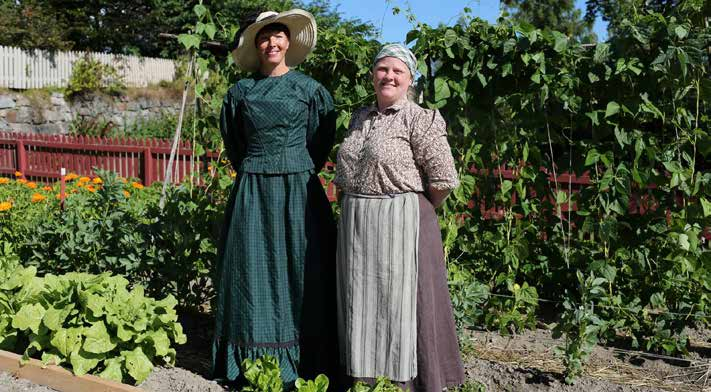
<point>302,31</point>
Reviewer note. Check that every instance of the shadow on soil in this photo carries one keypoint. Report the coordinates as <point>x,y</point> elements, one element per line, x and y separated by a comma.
<point>196,354</point>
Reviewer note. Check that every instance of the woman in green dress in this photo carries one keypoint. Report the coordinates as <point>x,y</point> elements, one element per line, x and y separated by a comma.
<point>275,275</point>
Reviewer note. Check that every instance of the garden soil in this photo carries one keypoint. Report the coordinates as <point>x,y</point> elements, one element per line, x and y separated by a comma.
<point>522,362</point>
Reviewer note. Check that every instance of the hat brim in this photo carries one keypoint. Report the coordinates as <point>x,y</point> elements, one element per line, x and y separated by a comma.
<point>302,31</point>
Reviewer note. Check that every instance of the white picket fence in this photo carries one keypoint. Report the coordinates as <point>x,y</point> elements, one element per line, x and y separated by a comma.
<point>26,68</point>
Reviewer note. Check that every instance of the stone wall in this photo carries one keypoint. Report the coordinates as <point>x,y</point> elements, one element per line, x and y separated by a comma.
<point>54,114</point>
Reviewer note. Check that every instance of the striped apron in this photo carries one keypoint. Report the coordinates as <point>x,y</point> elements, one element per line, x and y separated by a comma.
<point>377,285</point>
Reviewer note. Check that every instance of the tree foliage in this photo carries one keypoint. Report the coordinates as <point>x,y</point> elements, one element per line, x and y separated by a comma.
<point>134,27</point>
<point>558,15</point>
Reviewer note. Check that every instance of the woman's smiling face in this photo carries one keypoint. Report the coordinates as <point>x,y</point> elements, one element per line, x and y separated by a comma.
<point>272,47</point>
<point>391,79</point>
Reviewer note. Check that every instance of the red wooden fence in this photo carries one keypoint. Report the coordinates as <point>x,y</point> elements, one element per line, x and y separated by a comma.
<point>41,157</point>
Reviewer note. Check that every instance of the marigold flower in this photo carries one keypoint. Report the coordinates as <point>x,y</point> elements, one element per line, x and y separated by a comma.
<point>70,176</point>
<point>84,179</point>
<point>137,185</point>
<point>97,180</point>
<point>127,194</point>
<point>22,181</point>
<point>90,188</point>
<point>18,174</point>
<point>209,168</point>
<point>80,185</point>
<point>58,196</point>
<point>6,205</point>
<point>31,185</point>
<point>46,188</point>
<point>74,191</point>
<point>233,174</point>
<point>4,180</point>
<point>122,179</point>
<point>36,198</point>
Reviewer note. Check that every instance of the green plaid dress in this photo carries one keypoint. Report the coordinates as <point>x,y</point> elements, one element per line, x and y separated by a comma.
<point>275,275</point>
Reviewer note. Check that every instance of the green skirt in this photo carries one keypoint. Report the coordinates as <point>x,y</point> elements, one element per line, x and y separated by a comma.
<point>275,277</point>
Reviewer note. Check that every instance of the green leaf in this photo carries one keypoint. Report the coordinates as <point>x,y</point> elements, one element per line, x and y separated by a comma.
<point>83,362</point>
<point>561,42</point>
<point>612,109</point>
<point>482,79</point>
<point>681,32</point>
<point>706,205</point>
<point>361,91</point>
<point>98,340</point>
<point>592,158</point>
<point>161,343</point>
<point>593,117</point>
<point>54,318</point>
<point>673,166</point>
<point>113,370</point>
<point>50,359</point>
<point>200,10</point>
<point>189,41</point>
<point>441,90</point>
<point>450,38</point>
<point>602,52</point>
<point>96,304</point>
<point>29,317</point>
<point>67,340</point>
<point>561,197</point>
<point>199,149</point>
<point>139,366</point>
<point>684,242</point>
<point>506,186</point>
<point>210,30</point>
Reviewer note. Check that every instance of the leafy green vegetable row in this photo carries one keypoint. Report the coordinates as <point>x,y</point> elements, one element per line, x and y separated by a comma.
<point>88,323</point>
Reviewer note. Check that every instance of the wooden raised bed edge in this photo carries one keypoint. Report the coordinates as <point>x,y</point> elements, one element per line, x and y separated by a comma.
<point>56,377</point>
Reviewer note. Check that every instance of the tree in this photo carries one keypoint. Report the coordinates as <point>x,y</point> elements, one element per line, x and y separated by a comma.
<point>559,15</point>
<point>117,26</point>
<point>29,24</point>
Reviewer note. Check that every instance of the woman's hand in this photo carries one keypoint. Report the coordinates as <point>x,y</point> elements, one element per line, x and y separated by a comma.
<point>437,196</point>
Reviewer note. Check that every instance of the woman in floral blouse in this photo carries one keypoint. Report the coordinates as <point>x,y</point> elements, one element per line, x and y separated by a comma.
<point>394,167</point>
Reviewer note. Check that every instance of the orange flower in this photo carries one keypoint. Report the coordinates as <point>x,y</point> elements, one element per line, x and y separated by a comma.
<point>36,198</point>
<point>70,176</point>
<point>31,185</point>
<point>127,194</point>
<point>58,196</point>
<point>6,205</point>
<point>74,191</point>
<point>137,185</point>
<point>97,180</point>
<point>4,180</point>
<point>84,179</point>
<point>46,188</point>
<point>22,181</point>
<point>80,185</point>
<point>122,179</point>
<point>90,188</point>
<point>209,168</point>
<point>18,174</point>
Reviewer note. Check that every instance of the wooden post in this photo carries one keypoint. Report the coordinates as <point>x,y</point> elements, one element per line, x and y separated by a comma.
<point>62,187</point>
<point>148,175</point>
<point>21,157</point>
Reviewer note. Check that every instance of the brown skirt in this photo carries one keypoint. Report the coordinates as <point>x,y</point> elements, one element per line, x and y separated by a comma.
<point>439,364</point>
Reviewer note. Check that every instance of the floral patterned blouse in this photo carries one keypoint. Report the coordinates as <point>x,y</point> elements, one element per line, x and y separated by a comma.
<point>402,149</point>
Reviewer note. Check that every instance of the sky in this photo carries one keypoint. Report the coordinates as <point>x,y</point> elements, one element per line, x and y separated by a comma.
<point>395,27</point>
